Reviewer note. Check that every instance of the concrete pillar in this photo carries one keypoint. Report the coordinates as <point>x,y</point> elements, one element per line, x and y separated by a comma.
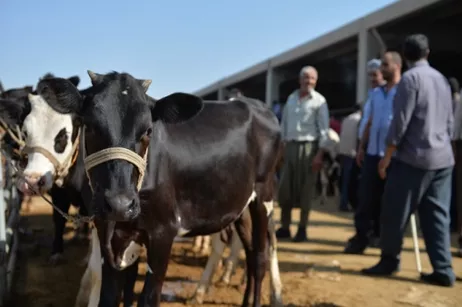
<point>221,93</point>
<point>273,80</point>
<point>370,45</point>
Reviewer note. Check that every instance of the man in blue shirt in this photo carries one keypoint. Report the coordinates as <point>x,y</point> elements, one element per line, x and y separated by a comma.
<point>371,185</point>
<point>420,178</point>
<point>376,79</point>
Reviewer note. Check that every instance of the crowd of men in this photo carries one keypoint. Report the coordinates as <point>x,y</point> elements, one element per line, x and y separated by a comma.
<point>398,155</point>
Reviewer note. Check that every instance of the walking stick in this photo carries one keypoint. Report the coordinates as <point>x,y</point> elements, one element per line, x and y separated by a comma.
<point>416,243</point>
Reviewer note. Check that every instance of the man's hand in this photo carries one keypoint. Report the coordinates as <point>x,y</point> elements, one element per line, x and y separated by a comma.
<point>360,156</point>
<point>383,165</point>
<point>317,161</point>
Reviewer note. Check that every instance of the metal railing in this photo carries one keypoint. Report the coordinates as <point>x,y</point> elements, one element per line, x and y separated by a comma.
<point>10,205</point>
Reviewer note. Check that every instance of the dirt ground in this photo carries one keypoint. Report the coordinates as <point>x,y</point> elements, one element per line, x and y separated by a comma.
<point>313,274</point>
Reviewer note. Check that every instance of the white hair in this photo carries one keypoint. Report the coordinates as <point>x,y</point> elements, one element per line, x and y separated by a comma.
<point>306,69</point>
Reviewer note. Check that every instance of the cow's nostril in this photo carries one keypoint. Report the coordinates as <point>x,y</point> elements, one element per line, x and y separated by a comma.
<point>131,207</point>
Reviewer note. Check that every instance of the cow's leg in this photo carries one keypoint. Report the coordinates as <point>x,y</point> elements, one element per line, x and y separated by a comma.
<point>90,284</point>
<point>111,287</point>
<point>60,200</point>
<point>158,251</point>
<point>197,242</point>
<point>131,273</point>
<point>244,229</point>
<point>83,231</point>
<point>87,257</point>
<point>259,215</point>
<point>230,268</point>
<point>218,247</point>
<point>205,248</point>
<point>324,183</point>
<point>275,278</point>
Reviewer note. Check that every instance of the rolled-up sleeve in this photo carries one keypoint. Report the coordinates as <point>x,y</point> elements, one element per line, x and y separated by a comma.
<point>322,122</point>
<point>403,107</point>
<point>365,117</point>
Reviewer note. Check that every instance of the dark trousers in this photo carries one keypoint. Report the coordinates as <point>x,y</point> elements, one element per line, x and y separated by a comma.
<point>298,181</point>
<point>429,192</point>
<point>457,192</point>
<point>371,186</point>
<point>349,183</point>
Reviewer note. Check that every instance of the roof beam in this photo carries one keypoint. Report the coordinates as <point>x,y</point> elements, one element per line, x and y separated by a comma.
<point>391,12</point>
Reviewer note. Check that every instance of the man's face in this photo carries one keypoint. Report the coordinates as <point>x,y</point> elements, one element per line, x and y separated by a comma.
<point>376,77</point>
<point>388,67</point>
<point>308,81</point>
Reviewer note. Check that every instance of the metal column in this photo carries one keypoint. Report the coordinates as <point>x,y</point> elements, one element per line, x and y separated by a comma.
<point>361,77</point>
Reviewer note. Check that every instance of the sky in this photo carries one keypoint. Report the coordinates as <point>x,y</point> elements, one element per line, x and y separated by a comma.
<point>181,45</point>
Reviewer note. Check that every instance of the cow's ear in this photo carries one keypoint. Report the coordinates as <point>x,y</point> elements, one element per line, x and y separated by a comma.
<point>13,112</point>
<point>75,80</point>
<point>176,108</point>
<point>61,95</point>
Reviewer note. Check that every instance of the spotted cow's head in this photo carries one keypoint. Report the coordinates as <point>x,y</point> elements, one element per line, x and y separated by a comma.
<point>117,112</point>
<point>46,123</point>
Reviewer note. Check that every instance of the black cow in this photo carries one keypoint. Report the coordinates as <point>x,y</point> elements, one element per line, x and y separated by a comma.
<point>207,161</point>
<point>52,145</point>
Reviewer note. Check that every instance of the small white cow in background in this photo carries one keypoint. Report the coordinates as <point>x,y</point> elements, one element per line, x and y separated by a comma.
<point>330,166</point>
<point>201,245</point>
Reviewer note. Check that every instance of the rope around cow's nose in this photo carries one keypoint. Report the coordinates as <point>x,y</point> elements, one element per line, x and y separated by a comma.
<point>77,219</point>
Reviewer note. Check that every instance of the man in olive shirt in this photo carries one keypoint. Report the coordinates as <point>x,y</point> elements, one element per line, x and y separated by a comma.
<point>420,179</point>
<point>304,128</point>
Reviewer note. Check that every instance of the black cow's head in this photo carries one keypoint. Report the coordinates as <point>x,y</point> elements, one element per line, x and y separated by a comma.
<point>117,112</point>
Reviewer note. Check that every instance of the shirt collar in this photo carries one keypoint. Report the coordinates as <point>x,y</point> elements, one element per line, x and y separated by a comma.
<point>309,96</point>
<point>420,63</point>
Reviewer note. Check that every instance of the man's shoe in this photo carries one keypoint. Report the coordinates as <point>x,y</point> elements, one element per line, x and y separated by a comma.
<point>437,279</point>
<point>374,242</point>
<point>383,268</point>
<point>355,246</point>
<point>283,233</point>
<point>301,235</point>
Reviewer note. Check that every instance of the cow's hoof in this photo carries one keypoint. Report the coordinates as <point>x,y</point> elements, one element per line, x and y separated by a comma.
<point>223,282</point>
<point>197,299</point>
<point>56,259</point>
<point>276,301</point>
